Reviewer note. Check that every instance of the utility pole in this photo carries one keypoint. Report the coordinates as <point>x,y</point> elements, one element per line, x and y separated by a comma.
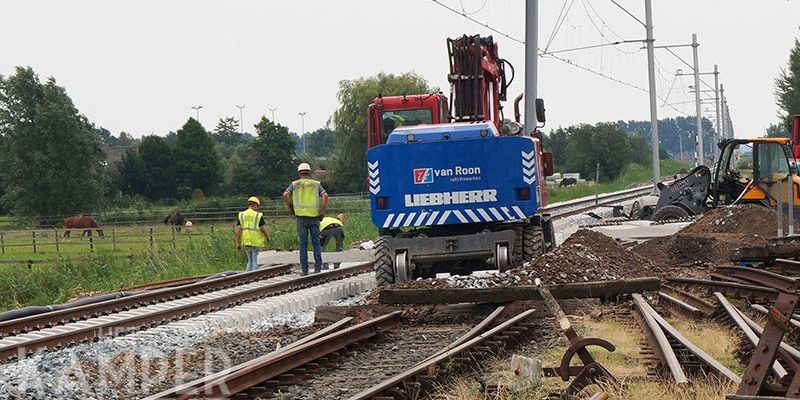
<point>699,138</point>
<point>531,62</point>
<point>718,134</point>
<point>680,145</point>
<point>197,108</point>
<point>241,118</point>
<point>273,113</point>
<point>651,77</point>
<point>303,128</point>
<point>723,128</point>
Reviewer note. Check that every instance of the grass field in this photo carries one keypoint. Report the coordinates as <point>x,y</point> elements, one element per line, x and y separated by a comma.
<point>78,272</point>
<point>633,175</point>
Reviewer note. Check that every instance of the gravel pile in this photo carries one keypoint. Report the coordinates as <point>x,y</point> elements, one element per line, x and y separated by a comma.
<point>585,256</point>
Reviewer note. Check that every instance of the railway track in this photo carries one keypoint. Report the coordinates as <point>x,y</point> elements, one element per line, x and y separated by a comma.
<point>148,309</point>
<point>584,204</point>
<point>377,359</point>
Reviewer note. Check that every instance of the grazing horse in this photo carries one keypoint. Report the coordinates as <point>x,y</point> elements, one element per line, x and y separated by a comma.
<point>81,222</point>
<point>567,182</point>
<point>175,219</point>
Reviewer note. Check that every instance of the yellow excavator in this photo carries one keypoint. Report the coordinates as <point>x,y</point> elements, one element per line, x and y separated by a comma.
<point>764,181</point>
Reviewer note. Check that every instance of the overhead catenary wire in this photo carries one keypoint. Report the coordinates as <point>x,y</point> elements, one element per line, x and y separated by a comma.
<point>543,54</point>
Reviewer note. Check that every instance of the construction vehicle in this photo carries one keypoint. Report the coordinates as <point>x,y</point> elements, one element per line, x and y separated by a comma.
<point>453,186</point>
<point>764,182</point>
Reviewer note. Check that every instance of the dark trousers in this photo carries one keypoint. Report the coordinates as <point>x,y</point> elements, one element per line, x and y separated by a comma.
<point>309,226</point>
<point>337,233</point>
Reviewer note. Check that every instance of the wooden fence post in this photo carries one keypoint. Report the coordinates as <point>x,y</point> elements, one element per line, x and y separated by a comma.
<point>33,234</point>
<point>212,229</point>
<point>55,235</point>
<point>91,243</point>
<point>2,244</point>
<point>151,237</point>
<point>173,238</point>
<point>113,239</point>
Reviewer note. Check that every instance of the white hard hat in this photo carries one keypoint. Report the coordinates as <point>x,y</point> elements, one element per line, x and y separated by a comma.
<point>303,167</point>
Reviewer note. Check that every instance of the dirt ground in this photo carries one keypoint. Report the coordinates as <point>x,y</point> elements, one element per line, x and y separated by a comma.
<point>711,238</point>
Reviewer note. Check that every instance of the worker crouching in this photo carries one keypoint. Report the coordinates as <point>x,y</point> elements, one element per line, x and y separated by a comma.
<point>332,228</point>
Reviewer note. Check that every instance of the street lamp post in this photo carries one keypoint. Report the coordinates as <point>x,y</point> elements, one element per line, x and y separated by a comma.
<point>197,108</point>
<point>303,128</point>
<point>241,118</point>
<point>273,113</point>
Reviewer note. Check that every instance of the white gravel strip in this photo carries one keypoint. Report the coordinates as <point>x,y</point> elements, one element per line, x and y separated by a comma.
<point>61,374</point>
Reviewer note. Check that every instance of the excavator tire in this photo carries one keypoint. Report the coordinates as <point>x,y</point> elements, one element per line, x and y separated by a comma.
<point>533,242</point>
<point>670,212</point>
<point>384,265</point>
<point>518,257</point>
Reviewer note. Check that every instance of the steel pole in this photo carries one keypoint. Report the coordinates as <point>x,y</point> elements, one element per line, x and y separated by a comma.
<point>531,62</point>
<point>651,77</point>
<point>722,101</point>
<point>241,118</point>
<point>303,129</point>
<point>717,134</point>
<point>699,138</point>
<point>272,110</point>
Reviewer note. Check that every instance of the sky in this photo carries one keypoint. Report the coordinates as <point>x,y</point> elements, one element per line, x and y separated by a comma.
<point>139,66</point>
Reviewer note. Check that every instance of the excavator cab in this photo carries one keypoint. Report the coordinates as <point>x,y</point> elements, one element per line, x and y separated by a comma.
<point>386,114</point>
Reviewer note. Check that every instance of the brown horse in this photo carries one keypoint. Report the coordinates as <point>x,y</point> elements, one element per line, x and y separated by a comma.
<point>81,222</point>
<point>175,219</point>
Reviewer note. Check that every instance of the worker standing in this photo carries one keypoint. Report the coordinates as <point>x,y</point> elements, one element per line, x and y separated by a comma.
<point>331,227</point>
<point>307,200</point>
<point>251,231</point>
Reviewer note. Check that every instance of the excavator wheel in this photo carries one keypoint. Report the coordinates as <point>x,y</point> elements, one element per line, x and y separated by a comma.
<point>384,264</point>
<point>533,242</point>
<point>518,258</point>
<point>670,212</point>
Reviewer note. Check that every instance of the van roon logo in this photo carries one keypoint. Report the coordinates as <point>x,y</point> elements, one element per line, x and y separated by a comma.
<point>423,175</point>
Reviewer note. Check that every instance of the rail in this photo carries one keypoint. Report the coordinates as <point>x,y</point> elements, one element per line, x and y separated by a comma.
<point>583,204</point>
<point>60,317</point>
<point>422,371</point>
<point>14,347</point>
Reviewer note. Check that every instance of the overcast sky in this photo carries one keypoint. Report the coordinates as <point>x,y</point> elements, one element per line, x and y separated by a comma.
<point>139,66</point>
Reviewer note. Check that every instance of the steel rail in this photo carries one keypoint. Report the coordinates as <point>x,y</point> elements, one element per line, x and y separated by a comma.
<point>759,330</point>
<point>706,308</point>
<point>765,311</point>
<point>424,368</point>
<point>124,325</point>
<point>588,203</point>
<point>765,278</point>
<point>679,305</point>
<point>659,342</point>
<point>194,387</point>
<point>472,333</point>
<point>60,317</point>
<point>736,316</point>
<point>270,367</point>
<point>701,355</point>
<point>729,287</point>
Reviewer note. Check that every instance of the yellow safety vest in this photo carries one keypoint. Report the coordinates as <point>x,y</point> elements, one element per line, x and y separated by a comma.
<point>328,221</point>
<point>305,196</point>
<point>251,232</point>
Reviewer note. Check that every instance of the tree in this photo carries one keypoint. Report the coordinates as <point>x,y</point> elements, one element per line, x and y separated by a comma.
<point>556,143</point>
<point>132,175</point>
<point>641,153</point>
<point>52,162</point>
<point>227,131</point>
<point>350,172</point>
<point>604,143</point>
<point>197,160</point>
<point>320,143</point>
<point>270,164</point>
<point>787,86</point>
<point>158,162</point>
<point>672,133</point>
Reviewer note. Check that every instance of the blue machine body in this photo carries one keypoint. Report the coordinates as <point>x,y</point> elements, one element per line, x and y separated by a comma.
<point>446,174</point>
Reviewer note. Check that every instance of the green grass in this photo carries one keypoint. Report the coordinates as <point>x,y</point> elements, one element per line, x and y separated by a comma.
<point>79,272</point>
<point>633,175</point>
